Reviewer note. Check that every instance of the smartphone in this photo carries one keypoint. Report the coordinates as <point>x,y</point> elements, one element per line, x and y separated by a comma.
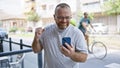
<point>66,40</point>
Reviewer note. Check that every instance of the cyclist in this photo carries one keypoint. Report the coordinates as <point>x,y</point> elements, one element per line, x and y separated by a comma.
<point>83,24</point>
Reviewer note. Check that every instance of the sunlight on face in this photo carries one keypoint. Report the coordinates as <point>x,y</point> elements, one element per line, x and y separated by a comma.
<point>62,17</point>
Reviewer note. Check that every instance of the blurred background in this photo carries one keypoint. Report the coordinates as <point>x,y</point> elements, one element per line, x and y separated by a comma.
<point>19,18</point>
<point>24,15</point>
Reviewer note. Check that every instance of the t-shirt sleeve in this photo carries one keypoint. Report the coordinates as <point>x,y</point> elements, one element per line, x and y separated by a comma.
<point>81,21</point>
<point>80,43</point>
<point>89,21</point>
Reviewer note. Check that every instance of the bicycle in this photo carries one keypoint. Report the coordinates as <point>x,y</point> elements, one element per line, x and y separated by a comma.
<point>98,49</point>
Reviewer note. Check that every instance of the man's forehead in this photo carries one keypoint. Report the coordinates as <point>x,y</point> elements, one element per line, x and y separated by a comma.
<point>63,10</point>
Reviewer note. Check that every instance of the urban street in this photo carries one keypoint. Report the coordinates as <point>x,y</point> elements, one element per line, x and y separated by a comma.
<point>110,61</point>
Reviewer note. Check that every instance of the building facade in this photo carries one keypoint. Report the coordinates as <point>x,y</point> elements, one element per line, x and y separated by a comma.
<point>94,6</point>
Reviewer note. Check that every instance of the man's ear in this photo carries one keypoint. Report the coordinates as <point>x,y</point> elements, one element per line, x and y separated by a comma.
<point>54,16</point>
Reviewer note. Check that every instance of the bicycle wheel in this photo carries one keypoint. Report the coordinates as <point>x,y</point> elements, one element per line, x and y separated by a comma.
<point>99,50</point>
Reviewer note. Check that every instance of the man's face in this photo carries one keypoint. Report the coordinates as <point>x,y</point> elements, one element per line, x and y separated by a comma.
<point>62,17</point>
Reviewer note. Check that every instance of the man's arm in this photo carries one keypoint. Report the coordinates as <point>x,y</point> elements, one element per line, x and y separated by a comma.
<point>92,27</point>
<point>84,25</point>
<point>79,57</point>
<point>36,44</point>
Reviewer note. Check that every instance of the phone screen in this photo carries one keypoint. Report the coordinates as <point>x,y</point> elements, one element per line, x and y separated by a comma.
<point>66,40</point>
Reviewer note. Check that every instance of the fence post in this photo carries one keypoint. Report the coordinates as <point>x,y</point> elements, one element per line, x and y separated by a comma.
<point>40,60</point>
<point>21,44</point>
<point>10,44</point>
<point>21,47</point>
<point>10,47</point>
<point>1,44</point>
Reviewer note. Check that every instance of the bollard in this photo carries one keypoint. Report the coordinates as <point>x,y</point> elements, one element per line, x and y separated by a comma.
<point>1,44</point>
<point>21,47</point>
<point>40,60</point>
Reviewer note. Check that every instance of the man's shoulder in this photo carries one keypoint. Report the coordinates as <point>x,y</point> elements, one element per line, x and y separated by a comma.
<point>48,27</point>
<point>73,28</point>
<point>48,30</point>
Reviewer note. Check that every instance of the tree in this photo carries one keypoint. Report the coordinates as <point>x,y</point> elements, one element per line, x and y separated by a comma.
<point>33,16</point>
<point>112,7</point>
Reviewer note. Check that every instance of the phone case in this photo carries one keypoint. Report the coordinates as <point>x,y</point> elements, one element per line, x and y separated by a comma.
<point>66,40</point>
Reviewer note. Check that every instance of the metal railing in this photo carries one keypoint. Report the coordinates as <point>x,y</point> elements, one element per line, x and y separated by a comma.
<point>15,52</point>
<point>21,50</point>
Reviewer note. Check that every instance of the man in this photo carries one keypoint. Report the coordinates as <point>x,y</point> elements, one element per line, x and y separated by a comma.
<point>55,54</point>
<point>84,23</point>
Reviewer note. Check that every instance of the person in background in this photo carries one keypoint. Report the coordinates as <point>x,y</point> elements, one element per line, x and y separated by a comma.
<point>83,25</point>
<point>55,54</point>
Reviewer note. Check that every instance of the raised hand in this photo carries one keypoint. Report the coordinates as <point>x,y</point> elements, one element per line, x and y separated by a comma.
<point>35,44</point>
<point>38,32</point>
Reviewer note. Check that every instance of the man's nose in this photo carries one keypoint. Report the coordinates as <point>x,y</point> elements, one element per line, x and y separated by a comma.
<point>64,19</point>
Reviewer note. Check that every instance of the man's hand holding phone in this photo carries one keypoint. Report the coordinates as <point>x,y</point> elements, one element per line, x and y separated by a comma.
<point>67,49</point>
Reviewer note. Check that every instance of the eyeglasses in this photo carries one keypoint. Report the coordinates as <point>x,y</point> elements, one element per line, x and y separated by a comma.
<point>62,18</point>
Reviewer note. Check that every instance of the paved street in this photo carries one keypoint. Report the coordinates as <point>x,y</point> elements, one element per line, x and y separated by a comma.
<point>111,60</point>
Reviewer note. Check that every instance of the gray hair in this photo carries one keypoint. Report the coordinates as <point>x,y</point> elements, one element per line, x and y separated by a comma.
<point>62,5</point>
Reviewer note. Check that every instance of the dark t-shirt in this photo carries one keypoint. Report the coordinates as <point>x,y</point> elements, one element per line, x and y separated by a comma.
<point>85,20</point>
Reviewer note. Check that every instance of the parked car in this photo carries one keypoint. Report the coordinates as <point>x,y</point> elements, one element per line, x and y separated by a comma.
<point>100,28</point>
<point>3,33</point>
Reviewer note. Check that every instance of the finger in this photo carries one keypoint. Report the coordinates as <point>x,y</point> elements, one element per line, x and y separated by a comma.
<point>39,31</point>
<point>68,46</point>
<point>65,50</point>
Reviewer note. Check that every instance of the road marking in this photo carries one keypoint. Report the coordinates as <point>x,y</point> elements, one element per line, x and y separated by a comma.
<point>113,65</point>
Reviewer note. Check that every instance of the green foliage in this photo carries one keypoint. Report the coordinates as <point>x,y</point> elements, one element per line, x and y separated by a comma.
<point>111,7</point>
<point>21,29</point>
<point>1,23</point>
<point>13,29</point>
<point>73,22</point>
<point>80,14</point>
<point>91,16</point>
<point>33,16</point>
